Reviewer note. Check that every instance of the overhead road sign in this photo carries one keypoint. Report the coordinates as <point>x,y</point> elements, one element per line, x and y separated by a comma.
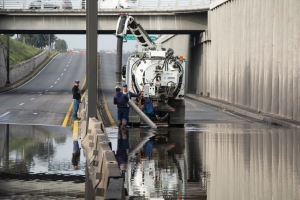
<point>131,37</point>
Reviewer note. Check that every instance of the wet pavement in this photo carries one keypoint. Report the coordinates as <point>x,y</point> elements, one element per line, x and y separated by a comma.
<point>202,161</point>
<point>35,163</point>
<point>210,161</point>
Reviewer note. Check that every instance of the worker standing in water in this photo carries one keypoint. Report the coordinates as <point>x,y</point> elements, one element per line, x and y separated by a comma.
<point>129,95</point>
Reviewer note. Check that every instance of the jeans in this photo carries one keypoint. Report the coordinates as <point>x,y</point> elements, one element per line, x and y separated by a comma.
<point>75,108</point>
<point>75,147</point>
<point>127,114</point>
<point>122,113</point>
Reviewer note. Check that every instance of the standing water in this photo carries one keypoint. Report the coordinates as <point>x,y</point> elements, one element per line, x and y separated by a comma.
<point>36,163</point>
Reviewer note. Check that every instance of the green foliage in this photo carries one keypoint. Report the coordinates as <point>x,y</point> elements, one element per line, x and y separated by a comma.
<point>19,52</point>
<point>37,40</point>
<point>61,45</point>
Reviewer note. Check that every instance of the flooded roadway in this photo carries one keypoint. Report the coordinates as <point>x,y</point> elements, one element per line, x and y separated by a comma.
<point>211,161</point>
<point>202,161</point>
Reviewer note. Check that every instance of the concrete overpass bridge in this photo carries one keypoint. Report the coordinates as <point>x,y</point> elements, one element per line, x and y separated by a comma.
<point>163,21</point>
<point>160,16</point>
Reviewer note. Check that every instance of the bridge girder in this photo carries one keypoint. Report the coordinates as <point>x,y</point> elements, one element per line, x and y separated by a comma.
<point>74,22</point>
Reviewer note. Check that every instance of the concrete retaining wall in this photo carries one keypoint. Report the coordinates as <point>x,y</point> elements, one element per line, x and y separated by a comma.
<point>253,57</point>
<point>20,70</point>
<point>249,55</point>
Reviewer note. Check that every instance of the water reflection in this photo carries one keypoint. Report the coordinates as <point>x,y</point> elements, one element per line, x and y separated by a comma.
<point>214,161</point>
<point>251,161</point>
<point>122,149</point>
<point>156,164</point>
<point>39,155</point>
<point>75,154</point>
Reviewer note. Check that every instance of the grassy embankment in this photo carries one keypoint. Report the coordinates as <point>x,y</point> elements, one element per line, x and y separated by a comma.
<point>19,52</point>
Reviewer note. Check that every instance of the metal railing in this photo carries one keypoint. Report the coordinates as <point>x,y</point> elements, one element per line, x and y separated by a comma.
<point>103,4</point>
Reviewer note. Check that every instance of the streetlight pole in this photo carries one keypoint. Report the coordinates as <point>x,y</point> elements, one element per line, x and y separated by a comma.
<point>7,61</point>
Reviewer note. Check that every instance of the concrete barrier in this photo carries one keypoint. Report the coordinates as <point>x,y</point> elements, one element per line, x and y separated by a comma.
<point>20,70</point>
<point>102,168</point>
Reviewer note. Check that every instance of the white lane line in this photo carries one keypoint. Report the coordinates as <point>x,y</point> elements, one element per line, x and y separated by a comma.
<point>68,62</point>
<point>65,70</point>
<point>58,79</point>
<point>34,113</point>
<point>55,82</point>
<point>21,104</point>
<point>51,86</point>
<point>31,99</point>
<point>67,65</point>
<point>32,77</point>
<point>40,94</point>
<point>4,114</point>
<point>62,74</point>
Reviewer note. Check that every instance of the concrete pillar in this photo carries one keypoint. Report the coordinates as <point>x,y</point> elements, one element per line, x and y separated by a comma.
<point>91,36</point>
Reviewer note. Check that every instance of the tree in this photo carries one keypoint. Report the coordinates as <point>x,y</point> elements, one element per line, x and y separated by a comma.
<point>38,40</point>
<point>61,45</point>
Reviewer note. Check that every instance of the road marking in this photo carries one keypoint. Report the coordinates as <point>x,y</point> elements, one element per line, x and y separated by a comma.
<point>65,70</point>
<point>75,131</point>
<point>32,77</point>
<point>112,121</point>
<point>64,124</point>
<point>40,94</point>
<point>31,99</point>
<point>55,82</point>
<point>34,113</point>
<point>21,104</point>
<point>4,114</point>
<point>51,86</point>
<point>58,79</point>
<point>62,74</point>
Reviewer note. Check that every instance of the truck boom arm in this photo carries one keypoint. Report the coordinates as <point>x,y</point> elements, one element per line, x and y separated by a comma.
<point>137,30</point>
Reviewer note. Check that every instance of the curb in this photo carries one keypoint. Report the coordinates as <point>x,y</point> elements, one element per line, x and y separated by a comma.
<point>259,116</point>
<point>28,76</point>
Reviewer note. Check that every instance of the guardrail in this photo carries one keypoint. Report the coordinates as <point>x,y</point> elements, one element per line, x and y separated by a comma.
<point>102,4</point>
<point>103,169</point>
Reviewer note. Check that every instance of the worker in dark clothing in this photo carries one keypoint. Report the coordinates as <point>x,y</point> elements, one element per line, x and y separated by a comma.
<point>76,99</point>
<point>129,94</point>
<point>122,149</point>
<point>75,154</point>
<point>121,101</point>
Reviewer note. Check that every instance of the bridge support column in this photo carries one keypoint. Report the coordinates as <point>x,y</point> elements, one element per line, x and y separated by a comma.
<point>91,46</point>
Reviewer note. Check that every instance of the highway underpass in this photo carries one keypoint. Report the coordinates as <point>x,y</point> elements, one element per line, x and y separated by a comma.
<point>214,153</point>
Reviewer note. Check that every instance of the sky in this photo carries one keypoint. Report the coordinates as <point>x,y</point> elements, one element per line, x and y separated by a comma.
<point>105,42</point>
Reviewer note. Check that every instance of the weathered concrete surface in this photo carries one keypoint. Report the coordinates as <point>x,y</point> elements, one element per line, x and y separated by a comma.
<point>167,21</point>
<point>20,70</point>
<point>250,56</point>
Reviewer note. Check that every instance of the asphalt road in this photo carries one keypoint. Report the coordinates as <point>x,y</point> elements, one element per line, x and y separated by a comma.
<point>46,98</point>
<point>196,112</point>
